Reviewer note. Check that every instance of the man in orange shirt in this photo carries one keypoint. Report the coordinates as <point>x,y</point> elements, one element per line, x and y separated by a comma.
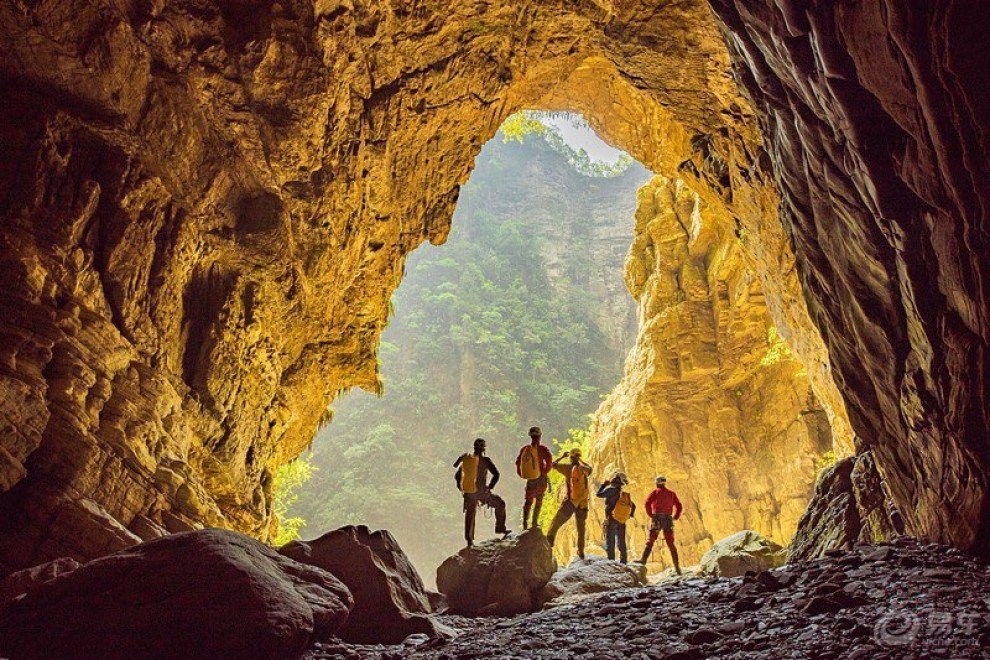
<point>533,464</point>
<point>664,508</point>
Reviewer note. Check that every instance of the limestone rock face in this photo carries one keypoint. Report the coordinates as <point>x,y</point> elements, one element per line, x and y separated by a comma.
<point>591,575</point>
<point>209,593</point>
<point>850,507</point>
<point>711,396</point>
<point>500,577</point>
<point>744,551</point>
<point>876,117</point>
<point>390,602</point>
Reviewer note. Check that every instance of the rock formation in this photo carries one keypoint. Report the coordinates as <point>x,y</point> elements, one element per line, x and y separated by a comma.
<point>851,506</point>
<point>390,602</point>
<point>711,397</point>
<point>740,553</point>
<point>499,577</point>
<point>209,593</point>
<point>207,205</point>
<point>593,575</point>
<point>876,116</point>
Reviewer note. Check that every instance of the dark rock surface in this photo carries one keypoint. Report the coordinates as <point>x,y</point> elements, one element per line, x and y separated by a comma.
<point>876,115</point>
<point>24,581</point>
<point>498,576</point>
<point>205,594</point>
<point>850,507</point>
<point>592,575</point>
<point>390,602</point>
<point>904,599</point>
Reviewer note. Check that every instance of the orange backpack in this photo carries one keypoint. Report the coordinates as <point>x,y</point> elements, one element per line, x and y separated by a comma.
<point>469,473</point>
<point>622,510</point>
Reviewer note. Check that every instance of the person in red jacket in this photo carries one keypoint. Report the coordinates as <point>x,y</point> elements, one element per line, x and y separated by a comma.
<point>533,464</point>
<point>664,508</point>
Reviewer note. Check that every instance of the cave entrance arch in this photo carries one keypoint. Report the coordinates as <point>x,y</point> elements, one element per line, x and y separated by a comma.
<point>205,220</point>
<point>712,395</point>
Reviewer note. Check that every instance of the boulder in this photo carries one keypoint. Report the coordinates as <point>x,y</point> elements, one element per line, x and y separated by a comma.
<point>591,576</point>
<point>500,577</point>
<point>21,582</point>
<point>743,551</point>
<point>210,593</point>
<point>390,602</point>
<point>850,507</point>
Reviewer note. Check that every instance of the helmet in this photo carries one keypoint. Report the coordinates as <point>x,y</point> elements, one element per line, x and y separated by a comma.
<point>621,478</point>
<point>661,480</point>
<point>576,452</point>
<point>479,443</point>
<point>534,431</point>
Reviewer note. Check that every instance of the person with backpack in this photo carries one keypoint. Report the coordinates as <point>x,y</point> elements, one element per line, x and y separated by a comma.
<point>663,507</point>
<point>619,508</point>
<point>533,464</point>
<point>472,480</point>
<point>576,474</point>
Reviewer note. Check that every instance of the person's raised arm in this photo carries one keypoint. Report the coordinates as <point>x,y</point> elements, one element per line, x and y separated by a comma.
<point>603,489</point>
<point>459,459</point>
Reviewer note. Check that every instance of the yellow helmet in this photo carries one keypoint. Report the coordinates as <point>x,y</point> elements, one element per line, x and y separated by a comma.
<point>576,452</point>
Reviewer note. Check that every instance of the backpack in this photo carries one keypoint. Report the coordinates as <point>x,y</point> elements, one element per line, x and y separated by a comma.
<point>579,486</point>
<point>529,463</point>
<point>469,473</point>
<point>622,510</point>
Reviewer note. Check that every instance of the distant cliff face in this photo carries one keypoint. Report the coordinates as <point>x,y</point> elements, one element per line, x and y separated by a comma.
<point>711,397</point>
<point>206,207</point>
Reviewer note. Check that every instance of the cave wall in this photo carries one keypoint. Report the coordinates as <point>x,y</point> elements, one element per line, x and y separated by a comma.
<point>206,205</point>
<point>877,117</point>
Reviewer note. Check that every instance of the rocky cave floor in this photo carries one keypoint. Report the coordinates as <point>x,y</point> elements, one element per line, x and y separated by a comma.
<point>902,599</point>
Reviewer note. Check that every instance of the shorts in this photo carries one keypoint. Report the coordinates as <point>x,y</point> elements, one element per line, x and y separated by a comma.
<point>662,523</point>
<point>536,488</point>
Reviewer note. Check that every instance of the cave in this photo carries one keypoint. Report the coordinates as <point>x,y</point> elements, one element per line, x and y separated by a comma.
<point>207,205</point>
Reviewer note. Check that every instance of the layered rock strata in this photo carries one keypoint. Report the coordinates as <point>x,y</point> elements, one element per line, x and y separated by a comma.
<point>876,115</point>
<point>711,397</point>
<point>851,506</point>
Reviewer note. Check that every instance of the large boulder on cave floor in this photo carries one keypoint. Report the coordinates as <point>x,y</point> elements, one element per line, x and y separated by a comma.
<point>21,582</point>
<point>500,577</point>
<point>743,551</point>
<point>390,602</point>
<point>210,593</point>
<point>591,575</point>
<point>850,507</point>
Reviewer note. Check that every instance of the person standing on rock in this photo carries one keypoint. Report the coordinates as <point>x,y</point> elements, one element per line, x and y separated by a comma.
<point>663,507</point>
<point>533,464</point>
<point>472,480</point>
<point>619,508</point>
<point>576,474</point>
